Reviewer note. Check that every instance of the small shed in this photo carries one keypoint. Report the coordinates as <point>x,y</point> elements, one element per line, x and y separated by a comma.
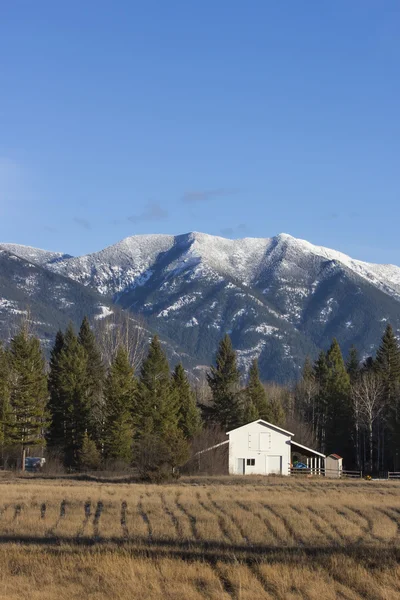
<point>333,465</point>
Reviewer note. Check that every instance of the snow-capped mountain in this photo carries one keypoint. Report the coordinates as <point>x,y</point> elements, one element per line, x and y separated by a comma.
<point>280,298</point>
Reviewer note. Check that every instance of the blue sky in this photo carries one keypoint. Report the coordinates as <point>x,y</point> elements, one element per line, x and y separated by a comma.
<point>230,117</point>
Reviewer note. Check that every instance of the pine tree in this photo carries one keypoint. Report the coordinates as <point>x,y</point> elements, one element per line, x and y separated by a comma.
<point>156,405</point>
<point>56,409</point>
<point>28,391</point>
<point>223,380</point>
<point>88,455</point>
<point>387,366</point>
<point>120,391</point>
<point>257,405</point>
<point>73,393</point>
<point>95,378</point>
<point>189,419</point>
<point>353,364</point>
<point>278,416</point>
<point>339,414</point>
<point>4,394</point>
<point>250,412</point>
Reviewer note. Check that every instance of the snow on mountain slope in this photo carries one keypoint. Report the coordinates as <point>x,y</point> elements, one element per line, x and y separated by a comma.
<point>131,261</point>
<point>279,298</point>
<point>118,266</point>
<point>34,255</point>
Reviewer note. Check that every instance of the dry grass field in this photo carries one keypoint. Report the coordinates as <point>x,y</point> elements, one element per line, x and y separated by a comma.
<point>241,538</point>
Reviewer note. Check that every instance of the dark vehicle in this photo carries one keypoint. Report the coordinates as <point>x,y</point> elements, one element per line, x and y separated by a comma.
<point>34,464</point>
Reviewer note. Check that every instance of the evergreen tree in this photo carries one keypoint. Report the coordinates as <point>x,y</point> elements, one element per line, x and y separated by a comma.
<point>223,380</point>
<point>72,365</point>
<point>156,405</point>
<point>120,390</point>
<point>387,366</point>
<point>56,431</point>
<point>353,365</point>
<point>28,391</point>
<point>88,455</point>
<point>278,416</point>
<point>338,431</point>
<point>95,378</point>
<point>250,412</point>
<point>4,394</point>
<point>256,400</point>
<point>189,419</point>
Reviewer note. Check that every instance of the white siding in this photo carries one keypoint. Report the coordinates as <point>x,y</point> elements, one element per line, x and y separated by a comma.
<point>256,442</point>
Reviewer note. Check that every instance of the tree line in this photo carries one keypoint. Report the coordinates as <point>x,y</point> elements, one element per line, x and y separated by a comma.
<point>353,407</point>
<point>89,411</point>
<point>93,410</point>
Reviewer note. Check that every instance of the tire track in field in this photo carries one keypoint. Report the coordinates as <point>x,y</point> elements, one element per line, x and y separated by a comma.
<point>191,518</point>
<point>314,517</point>
<point>226,584</point>
<point>221,520</point>
<point>334,527</point>
<point>367,529</point>
<point>230,517</point>
<point>288,526</point>
<point>390,515</point>
<point>174,519</point>
<point>96,520</point>
<point>52,531</point>
<point>264,520</point>
<point>263,581</point>
<point>145,517</point>
<point>124,526</point>
<point>88,514</point>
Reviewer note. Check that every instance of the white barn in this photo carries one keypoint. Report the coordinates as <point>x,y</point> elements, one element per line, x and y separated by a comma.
<point>261,448</point>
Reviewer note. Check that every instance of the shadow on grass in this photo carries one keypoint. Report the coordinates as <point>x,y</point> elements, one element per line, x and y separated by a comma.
<point>375,555</point>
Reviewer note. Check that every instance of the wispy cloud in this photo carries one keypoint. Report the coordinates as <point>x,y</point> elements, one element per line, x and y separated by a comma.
<point>196,196</point>
<point>151,212</point>
<point>82,222</point>
<point>234,231</point>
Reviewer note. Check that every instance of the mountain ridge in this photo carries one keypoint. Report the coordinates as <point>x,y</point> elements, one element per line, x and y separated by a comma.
<point>279,298</point>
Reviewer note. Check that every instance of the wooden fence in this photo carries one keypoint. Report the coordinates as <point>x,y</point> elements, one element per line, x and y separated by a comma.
<point>321,472</point>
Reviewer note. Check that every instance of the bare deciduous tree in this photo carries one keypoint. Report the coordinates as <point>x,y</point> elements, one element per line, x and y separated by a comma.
<point>368,404</point>
<point>122,330</point>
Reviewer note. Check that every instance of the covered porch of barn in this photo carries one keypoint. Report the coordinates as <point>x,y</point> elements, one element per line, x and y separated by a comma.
<point>314,461</point>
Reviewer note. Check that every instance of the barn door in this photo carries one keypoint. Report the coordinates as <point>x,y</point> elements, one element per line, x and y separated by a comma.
<point>274,465</point>
<point>241,466</point>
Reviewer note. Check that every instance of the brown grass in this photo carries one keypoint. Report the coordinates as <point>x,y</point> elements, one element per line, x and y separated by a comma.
<point>199,538</point>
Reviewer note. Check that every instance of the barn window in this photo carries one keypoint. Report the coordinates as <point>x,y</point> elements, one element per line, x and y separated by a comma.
<point>250,462</point>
